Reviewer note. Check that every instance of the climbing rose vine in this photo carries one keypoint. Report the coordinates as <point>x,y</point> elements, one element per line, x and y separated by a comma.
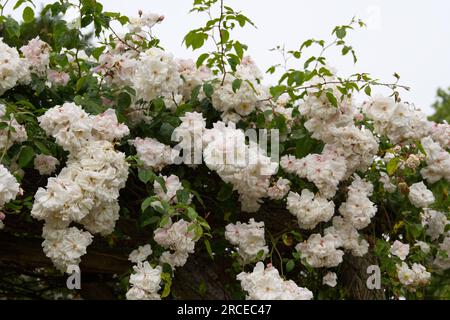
<point>291,190</point>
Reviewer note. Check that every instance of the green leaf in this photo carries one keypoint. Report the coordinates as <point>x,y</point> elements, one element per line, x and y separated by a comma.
<point>297,134</point>
<point>225,192</point>
<point>158,105</point>
<point>195,39</point>
<point>208,89</point>
<point>149,220</point>
<point>18,4</point>
<point>42,147</point>
<point>236,85</point>
<point>224,36</point>
<point>271,69</point>
<point>164,221</point>
<point>166,131</point>
<point>392,166</point>
<point>332,99</point>
<point>146,175</point>
<point>345,50</point>
<point>167,285</point>
<point>124,100</point>
<point>420,147</point>
<point>296,255</point>
<point>192,214</point>
<point>203,223</point>
<point>415,230</point>
<point>277,91</point>
<point>368,90</point>
<point>208,248</point>
<point>201,59</point>
<point>306,44</point>
<point>28,15</point>
<point>98,51</point>
<point>12,27</point>
<point>260,120</point>
<point>341,32</point>
<point>241,20</point>
<point>355,58</point>
<point>280,123</point>
<point>26,155</point>
<point>160,206</point>
<point>81,83</point>
<point>183,196</point>
<point>147,203</point>
<point>123,20</point>
<point>233,61</point>
<point>296,54</point>
<point>308,62</point>
<point>198,231</point>
<point>60,59</point>
<point>239,49</point>
<point>290,265</point>
<point>199,199</point>
<point>325,72</point>
<point>259,255</point>
<point>298,77</point>
<point>161,182</point>
<point>304,146</point>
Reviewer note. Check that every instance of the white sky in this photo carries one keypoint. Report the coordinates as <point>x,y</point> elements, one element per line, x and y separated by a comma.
<point>411,38</point>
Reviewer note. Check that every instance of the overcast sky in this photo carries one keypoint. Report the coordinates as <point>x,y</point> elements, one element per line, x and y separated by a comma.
<point>411,38</point>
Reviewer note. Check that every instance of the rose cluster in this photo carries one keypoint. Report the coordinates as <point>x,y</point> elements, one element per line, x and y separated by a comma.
<point>87,188</point>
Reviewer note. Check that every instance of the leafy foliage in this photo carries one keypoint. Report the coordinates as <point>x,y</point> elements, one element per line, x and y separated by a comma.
<point>206,202</point>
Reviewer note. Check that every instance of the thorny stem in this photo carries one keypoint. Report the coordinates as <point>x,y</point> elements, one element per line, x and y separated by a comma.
<point>78,63</point>
<point>123,41</point>
<point>274,247</point>
<point>387,217</point>
<point>282,52</point>
<point>3,7</point>
<point>318,85</point>
<point>7,140</point>
<point>375,83</point>
<point>212,33</point>
<point>173,99</point>
<point>323,51</point>
<point>222,49</point>
<point>330,45</point>
<point>285,59</point>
